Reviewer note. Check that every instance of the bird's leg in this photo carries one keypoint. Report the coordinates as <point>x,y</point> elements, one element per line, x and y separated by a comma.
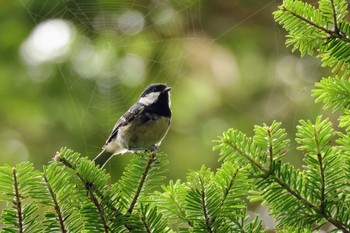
<point>152,148</point>
<point>151,151</point>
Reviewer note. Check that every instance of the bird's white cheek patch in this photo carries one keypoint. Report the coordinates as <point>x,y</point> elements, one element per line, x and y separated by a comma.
<point>149,99</point>
<point>169,100</point>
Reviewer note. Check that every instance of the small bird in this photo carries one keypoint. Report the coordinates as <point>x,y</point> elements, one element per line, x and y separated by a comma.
<point>142,127</point>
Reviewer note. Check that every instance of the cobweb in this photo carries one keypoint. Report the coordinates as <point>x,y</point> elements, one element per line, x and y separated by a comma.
<point>107,51</point>
<point>81,22</point>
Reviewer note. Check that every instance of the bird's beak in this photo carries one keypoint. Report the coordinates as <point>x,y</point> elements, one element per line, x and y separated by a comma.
<point>167,89</point>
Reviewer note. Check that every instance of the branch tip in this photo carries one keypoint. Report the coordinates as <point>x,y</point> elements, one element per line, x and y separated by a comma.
<point>57,157</point>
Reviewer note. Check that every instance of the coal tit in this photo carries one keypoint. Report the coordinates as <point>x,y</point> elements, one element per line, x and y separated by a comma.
<point>142,127</point>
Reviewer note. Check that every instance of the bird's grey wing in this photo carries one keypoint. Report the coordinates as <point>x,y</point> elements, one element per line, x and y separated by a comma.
<point>125,119</point>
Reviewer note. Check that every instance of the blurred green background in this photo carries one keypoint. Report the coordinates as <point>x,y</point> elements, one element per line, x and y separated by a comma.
<point>69,69</point>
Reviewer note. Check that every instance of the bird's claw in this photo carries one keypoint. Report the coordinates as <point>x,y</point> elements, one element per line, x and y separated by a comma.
<point>152,151</point>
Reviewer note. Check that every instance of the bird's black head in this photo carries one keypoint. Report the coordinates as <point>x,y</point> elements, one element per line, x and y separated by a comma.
<point>155,88</point>
<point>156,96</point>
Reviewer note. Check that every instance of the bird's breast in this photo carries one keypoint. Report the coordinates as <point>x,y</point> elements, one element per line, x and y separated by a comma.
<point>143,135</point>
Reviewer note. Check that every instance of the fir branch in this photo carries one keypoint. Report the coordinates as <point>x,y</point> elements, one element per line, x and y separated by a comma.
<point>307,203</point>
<point>91,195</point>
<point>273,142</point>
<point>336,27</point>
<point>227,191</point>
<point>247,156</point>
<point>20,187</point>
<point>89,188</point>
<point>17,201</point>
<point>334,92</point>
<point>310,30</point>
<point>63,199</point>
<point>307,134</point>
<point>145,224</point>
<point>152,221</point>
<point>230,186</point>
<point>318,145</point>
<point>57,207</point>
<point>293,192</point>
<point>344,120</point>
<point>305,20</point>
<point>270,149</point>
<point>171,202</point>
<point>315,208</point>
<point>337,223</point>
<point>336,33</point>
<point>323,183</point>
<point>150,162</point>
<point>208,223</point>
<point>314,139</point>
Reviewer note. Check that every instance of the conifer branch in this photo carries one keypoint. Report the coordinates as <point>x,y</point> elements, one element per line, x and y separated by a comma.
<point>183,213</point>
<point>248,157</point>
<point>318,210</point>
<point>17,201</point>
<point>323,184</point>
<point>230,186</point>
<point>89,188</point>
<point>330,32</point>
<point>204,207</point>
<point>294,193</point>
<point>172,202</point>
<point>337,224</point>
<point>150,162</point>
<point>57,207</point>
<point>91,195</point>
<point>145,224</point>
<point>270,149</point>
<point>336,28</point>
<point>336,33</point>
<point>226,193</point>
<point>269,174</point>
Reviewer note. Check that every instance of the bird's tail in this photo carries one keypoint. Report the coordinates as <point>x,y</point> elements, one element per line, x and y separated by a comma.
<point>102,158</point>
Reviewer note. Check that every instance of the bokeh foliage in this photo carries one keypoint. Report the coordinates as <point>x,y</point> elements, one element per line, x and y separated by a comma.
<point>102,67</point>
<point>225,60</point>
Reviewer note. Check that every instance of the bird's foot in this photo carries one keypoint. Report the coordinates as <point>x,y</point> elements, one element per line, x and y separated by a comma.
<point>151,151</point>
<point>152,148</point>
